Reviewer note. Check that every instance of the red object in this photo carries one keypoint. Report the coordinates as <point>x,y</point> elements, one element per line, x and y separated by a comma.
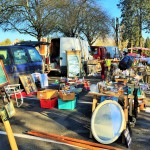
<point>49,103</point>
<point>86,85</point>
<point>31,94</point>
<point>136,48</point>
<point>47,60</point>
<point>24,94</point>
<point>103,77</point>
<point>99,52</point>
<point>103,70</point>
<point>132,54</point>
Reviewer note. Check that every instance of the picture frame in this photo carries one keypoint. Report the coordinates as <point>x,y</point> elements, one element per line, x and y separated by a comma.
<point>28,83</point>
<point>10,109</point>
<point>73,63</point>
<point>4,79</point>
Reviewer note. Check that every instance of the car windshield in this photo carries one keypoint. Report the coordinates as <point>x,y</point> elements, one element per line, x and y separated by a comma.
<point>34,55</point>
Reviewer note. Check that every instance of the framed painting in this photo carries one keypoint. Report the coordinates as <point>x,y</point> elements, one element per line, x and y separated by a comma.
<point>73,63</point>
<point>28,83</point>
<point>4,80</point>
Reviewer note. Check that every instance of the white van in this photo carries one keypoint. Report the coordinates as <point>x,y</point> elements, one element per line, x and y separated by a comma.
<point>58,49</point>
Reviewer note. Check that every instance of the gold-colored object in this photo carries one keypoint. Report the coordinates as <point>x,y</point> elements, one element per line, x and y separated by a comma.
<point>10,109</point>
<point>10,135</point>
<point>7,112</point>
<point>47,94</point>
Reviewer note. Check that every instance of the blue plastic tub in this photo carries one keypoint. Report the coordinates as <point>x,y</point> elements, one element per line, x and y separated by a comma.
<point>130,91</point>
<point>103,98</point>
<point>70,105</point>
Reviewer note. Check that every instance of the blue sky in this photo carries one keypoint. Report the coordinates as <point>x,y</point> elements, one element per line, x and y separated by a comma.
<point>107,5</point>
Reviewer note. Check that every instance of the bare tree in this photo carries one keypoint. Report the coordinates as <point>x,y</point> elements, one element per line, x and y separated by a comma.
<point>71,17</point>
<point>85,18</point>
<point>40,18</point>
<point>96,23</point>
<point>34,17</point>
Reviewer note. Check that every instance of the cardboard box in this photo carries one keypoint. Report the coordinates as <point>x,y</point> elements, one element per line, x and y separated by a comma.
<point>47,94</point>
<point>142,106</point>
<point>92,62</point>
<point>66,97</point>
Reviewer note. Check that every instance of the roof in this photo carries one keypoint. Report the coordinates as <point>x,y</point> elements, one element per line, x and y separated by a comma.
<point>31,43</point>
<point>136,48</point>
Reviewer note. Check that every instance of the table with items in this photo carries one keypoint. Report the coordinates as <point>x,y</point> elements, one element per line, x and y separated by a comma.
<point>115,107</point>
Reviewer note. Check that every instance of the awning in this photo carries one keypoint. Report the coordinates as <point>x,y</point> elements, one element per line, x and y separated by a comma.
<point>132,54</point>
<point>136,48</point>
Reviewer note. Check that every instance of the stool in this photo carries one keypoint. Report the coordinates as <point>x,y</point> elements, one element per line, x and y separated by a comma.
<point>14,89</point>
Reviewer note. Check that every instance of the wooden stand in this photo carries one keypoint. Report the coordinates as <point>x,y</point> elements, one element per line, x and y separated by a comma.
<point>121,80</point>
<point>4,117</point>
<point>73,61</point>
<point>126,104</point>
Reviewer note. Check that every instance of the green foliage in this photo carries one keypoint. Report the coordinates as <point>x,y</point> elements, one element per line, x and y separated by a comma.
<point>6,42</point>
<point>135,18</point>
<point>40,18</point>
<point>36,18</point>
<point>147,43</point>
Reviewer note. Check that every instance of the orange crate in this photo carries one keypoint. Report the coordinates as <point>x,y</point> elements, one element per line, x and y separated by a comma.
<point>47,94</point>
<point>65,97</point>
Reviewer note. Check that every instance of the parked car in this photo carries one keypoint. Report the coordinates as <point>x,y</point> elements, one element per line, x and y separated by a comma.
<point>20,60</point>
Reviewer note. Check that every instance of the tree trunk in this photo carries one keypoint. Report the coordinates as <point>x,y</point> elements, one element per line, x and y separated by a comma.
<point>140,25</point>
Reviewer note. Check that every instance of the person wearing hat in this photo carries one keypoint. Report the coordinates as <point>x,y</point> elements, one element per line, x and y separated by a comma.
<point>125,52</point>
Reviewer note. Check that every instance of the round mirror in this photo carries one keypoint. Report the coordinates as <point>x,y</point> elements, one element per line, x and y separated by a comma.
<point>107,122</point>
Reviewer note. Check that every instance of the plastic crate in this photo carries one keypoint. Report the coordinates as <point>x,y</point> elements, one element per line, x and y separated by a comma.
<point>49,103</point>
<point>66,104</point>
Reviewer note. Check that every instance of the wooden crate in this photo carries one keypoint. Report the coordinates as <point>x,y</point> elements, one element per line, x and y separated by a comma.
<point>92,62</point>
<point>66,97</point>
<point>47,94</point>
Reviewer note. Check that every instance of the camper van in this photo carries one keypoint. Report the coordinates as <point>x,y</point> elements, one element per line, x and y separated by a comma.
<point>58,48</point>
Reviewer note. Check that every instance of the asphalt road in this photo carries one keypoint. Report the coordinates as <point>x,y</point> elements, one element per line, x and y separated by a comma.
<point>72,123</point>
